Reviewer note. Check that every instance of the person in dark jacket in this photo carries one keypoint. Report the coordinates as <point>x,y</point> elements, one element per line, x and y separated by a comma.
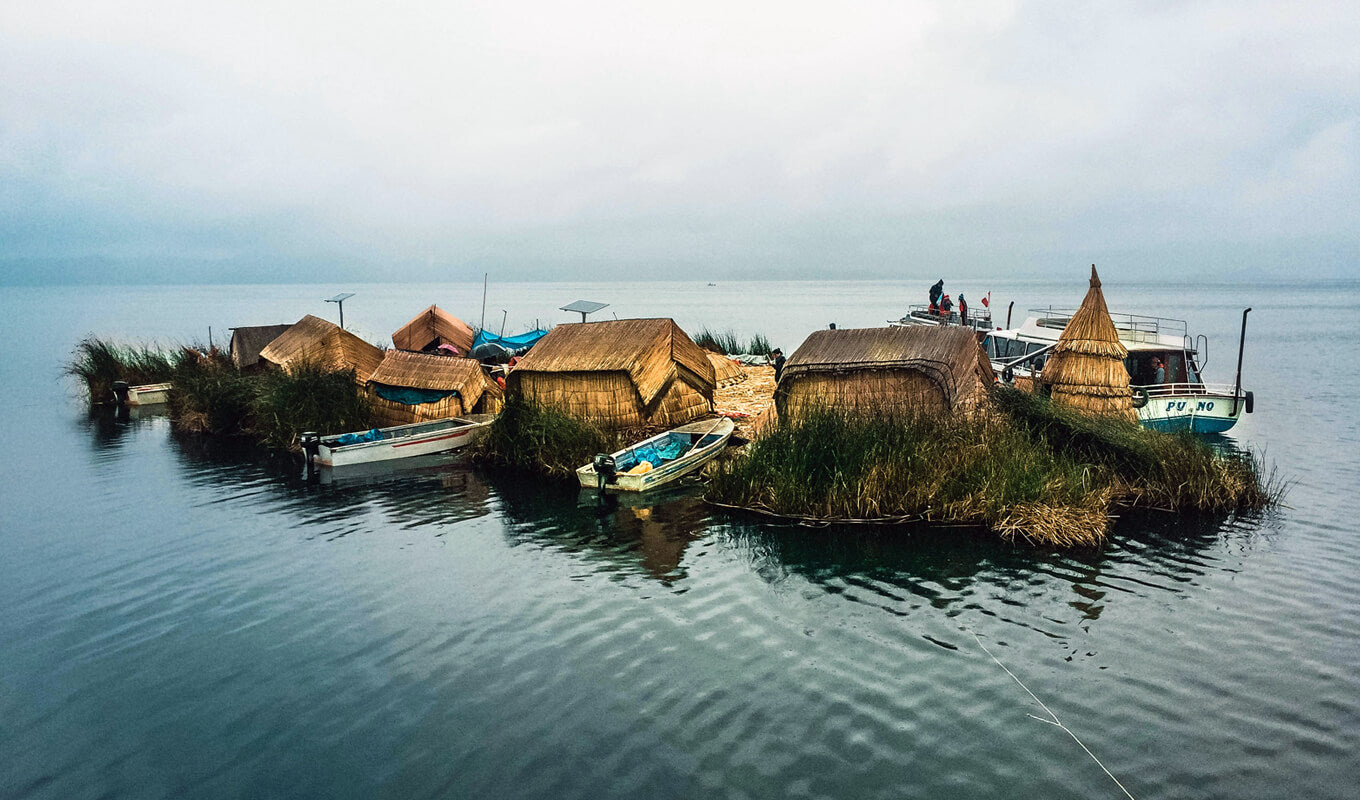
<point>777,358</point>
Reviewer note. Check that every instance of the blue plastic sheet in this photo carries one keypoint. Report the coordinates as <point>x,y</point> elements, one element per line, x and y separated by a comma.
<point>411,397</point>
<point>519,342</point>
<point>374,435</point>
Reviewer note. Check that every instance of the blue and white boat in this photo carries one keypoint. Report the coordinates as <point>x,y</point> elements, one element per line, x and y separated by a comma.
<point>660,460</point>
<point>1182,401</point>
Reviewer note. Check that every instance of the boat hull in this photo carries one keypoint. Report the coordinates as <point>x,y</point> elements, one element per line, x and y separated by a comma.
<point>149,395</point>
<point>714,438</point>
<point>1195,413</point>
<point>407,441</point>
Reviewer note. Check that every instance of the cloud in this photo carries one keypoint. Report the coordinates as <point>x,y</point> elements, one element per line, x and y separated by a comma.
<point>780,139</point>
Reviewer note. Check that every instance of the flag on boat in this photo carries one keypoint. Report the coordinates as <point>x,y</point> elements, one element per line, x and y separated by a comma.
<point>987,301</point>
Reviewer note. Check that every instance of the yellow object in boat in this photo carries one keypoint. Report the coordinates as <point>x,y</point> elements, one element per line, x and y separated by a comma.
<point>642,468</point>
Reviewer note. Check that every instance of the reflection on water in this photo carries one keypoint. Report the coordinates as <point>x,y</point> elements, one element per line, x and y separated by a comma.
<point>195,618</point>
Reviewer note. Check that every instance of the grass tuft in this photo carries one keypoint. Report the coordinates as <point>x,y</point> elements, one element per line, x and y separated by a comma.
<point>98,363</point>
<point>729,344</point>
<point>1024,469</point>
<point>527,437</point>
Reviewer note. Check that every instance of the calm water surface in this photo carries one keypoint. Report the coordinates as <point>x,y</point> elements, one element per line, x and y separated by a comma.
<point>189,619</point>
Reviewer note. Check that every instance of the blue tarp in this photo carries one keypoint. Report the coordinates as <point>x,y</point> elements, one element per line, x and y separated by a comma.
<point>411,397</point>
<point>374,435</point>
<point>519,342</point>
<point>659,453</point>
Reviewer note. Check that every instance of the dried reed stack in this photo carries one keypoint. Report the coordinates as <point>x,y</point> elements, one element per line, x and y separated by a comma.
<point>726,372</point>
<point>916,369</point>
<point>432,327</point>
<point>456,386</point>
<point>1086,369</point>
<point>325,344</point>
<point>618,373</point>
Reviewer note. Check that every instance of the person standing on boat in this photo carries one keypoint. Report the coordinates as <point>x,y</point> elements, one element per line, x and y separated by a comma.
<point>1158,370</point>
<point>963,309</point>
<point>777,358</point>
<point>946,306</point>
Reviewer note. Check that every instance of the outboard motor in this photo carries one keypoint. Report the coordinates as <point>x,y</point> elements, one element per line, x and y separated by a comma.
<point>311,448</point>
<point>604,469</point>
<point>120,392</point>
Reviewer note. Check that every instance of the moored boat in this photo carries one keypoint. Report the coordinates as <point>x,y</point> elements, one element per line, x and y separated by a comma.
<point>148,395</point>
<point>1180,401</point>
<point>660,460</point>
<point>980,320</point>
<point>401,441</point>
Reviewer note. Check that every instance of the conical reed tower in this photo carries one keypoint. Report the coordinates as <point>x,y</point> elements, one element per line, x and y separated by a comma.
<point>1086,368</point>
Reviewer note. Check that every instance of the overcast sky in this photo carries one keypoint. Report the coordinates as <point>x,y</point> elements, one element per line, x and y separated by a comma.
<point>173,141</point>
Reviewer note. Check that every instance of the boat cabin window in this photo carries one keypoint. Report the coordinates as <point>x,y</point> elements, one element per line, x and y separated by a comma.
<point>1142,373</point>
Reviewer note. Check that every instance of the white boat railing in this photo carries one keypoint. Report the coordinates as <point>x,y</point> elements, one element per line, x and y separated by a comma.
<point>1136,326</point>
<point>1182,389</point>
<point>978,319</point>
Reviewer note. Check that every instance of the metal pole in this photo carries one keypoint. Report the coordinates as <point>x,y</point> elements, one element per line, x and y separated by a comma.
<point>1008,314</point>
<point>485,275</point>
<point>504,314</point>
<point>342,314</point>
<point>1241,345</point>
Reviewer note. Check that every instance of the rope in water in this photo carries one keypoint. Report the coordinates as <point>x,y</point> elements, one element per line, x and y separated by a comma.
<point>1054,720</point>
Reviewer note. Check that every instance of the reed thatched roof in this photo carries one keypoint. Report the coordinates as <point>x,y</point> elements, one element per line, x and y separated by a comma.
<point>947,354</point>
<point>315,339</point>
<point>1086,368</point>
<point>726,372</point>
<point>248,341</point>
<point>432,327</point>
<point>436,373</point>
<point>651,351</point>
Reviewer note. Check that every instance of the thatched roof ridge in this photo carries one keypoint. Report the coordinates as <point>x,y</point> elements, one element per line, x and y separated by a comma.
<point>313,338</point>
<point>248,340</point>
<point>906,346</point>
<point>947,355</point>
<point>434,323</point>
<point>650,351</point>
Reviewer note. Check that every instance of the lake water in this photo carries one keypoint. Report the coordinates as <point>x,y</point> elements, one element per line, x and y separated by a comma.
<point>190,619</point>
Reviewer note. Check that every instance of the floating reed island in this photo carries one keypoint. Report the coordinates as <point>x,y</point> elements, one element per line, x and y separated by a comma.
<point>883,425</point>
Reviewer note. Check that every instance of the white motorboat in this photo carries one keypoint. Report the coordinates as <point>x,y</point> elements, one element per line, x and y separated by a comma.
<point>660,460</point>
<point>401,441</point>
<point>1181,401</point>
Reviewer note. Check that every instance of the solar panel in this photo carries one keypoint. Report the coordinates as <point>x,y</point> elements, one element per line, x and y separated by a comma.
<point>585,306</point>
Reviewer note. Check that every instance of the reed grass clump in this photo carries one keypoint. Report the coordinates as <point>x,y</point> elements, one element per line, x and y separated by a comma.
<point>729,344</point>
<point>306,397</point>
<point>970,469</point>
<point>210,395</point>
<point>528,437</point>
<point>99,362</point>
<point>1021,467</point>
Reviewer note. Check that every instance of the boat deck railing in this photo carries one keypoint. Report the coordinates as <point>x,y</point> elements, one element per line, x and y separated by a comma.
<point>1169,389</point>
<point>1136,326</point>
<point>980,319</point>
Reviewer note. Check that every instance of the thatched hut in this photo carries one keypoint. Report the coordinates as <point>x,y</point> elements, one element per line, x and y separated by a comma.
<point>325,343</point>
<point>1086,368</point>
<point>618,373</point>
<point>916,369</point>
<point>414,387</point>
<point>726,372</point>
<point>248,341</point>
<point>431,328</point>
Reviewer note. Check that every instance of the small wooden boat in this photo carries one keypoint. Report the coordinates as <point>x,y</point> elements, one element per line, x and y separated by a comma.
<point>148,395</point>
<point>402,441</point>
<point>660,460</point>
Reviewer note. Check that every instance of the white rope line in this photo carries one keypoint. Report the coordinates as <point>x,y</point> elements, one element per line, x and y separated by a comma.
<point>1054,720</point>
